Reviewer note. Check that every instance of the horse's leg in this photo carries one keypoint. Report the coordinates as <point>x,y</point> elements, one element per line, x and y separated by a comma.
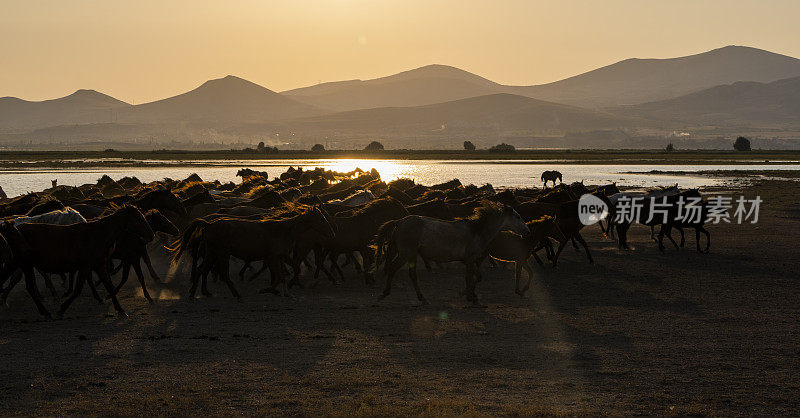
<point>15,278</point>
<point>527,266</point>
<point>319,263</point>
<point>668,233</point>
<point>70,284</point>
<point>82,277</point>
<point>63,279</point>
<point>126,271</point>
<point>683,235</point>
<point>561,246</point>
<point>204,280</point>
<point>585,246</point>
<point>138,269</point>
<point>255,275</point>
<point>335,265</point>
<point>93,288</point>
<point>653,232</point>
<point>702,229</point>
<point>536,257</point>
<point>574,244</point>
<point>412,273</point>
<point>149,265</point>
<point>115,270</point>
<point>660,239</point>
<point>197,271</point>
<point>106,279</point>
<point>622,234</point>
<point>33,291</point>
<point>48,283</point>
<point>368,257</point>
<point>243,270</point>
<point>277,279</point>
<point>222,265</point>
<point>391,269</point>
<point>427,265</point>
<point>517,273</point>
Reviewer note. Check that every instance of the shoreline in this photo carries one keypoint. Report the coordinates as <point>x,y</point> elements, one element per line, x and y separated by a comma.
<point>175,158</point>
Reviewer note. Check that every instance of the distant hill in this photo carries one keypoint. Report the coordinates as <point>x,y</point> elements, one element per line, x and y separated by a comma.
<point>421,86</point>
<point>83,106</point>
<point>631,81</point>
<point>495,112</point>
<point>225,100</point>
<point>741,103</point>
<point>634,81</point>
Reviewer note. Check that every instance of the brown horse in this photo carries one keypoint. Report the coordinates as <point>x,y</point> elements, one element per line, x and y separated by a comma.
<point>465,240</point>
<point>551,176</point>
<point>355,232</point>
<point>83,247</point>
<point>249,240</point>
<point>511,247</point>
<point>130,249</point>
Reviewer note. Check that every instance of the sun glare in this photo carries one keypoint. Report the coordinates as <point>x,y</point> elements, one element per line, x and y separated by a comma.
<point>390,170</point>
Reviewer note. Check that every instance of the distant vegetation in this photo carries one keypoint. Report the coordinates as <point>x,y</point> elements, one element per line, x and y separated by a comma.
<point>318,148</point>
<point>374,146</point>
<point>502,147</point>
<point>670,147</point>
<point>741,144</point>
<point>469,146</point>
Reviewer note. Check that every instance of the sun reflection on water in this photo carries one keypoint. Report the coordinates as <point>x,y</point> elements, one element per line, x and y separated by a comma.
<point>389,169</point>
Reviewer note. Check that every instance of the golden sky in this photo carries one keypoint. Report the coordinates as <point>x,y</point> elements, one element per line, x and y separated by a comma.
<point>146,50</point>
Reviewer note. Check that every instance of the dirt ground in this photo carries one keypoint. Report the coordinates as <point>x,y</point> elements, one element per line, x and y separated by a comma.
<point>638,332</point>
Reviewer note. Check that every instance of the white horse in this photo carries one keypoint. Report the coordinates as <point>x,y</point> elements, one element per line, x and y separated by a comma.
<point>356,199</point>
<point>66,216</point>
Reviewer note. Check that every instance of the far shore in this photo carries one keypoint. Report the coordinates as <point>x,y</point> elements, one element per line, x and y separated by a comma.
<point>160,158</point>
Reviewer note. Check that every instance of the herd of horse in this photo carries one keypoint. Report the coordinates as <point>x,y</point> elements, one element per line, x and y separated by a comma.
<point>313,218</point>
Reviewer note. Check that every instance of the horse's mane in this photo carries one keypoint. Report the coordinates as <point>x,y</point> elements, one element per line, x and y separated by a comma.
<point>484,213</point>
<point>543,219</point>
<point>378,205</point>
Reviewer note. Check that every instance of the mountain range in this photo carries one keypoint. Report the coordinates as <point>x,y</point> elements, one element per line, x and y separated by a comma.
<point>733,85</point>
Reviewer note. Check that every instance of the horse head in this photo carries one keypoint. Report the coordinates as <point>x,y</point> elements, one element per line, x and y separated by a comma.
<point>133,220</point>
<point>320,222</point>
<point>514,222</point>
<point>159,222</point>
<point>161,199</point>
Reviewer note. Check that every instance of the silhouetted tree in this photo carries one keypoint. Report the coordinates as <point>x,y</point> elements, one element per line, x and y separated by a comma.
<point>502,147</point>
<point>469,146</point>
<point>670,147</point>
<point>741,144</point>
<point>261,146</point>
<point>318,148</point>
<point>374,146</point>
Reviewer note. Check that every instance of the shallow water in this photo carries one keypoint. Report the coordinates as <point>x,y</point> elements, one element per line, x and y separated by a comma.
<point>498,173</point>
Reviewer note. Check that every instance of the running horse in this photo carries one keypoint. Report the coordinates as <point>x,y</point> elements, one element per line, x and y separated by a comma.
<point>466,240</point>
<point>83,247</point>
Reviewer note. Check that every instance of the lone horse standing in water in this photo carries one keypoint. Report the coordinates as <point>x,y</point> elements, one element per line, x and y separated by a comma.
<point>464,240</point>
<point>551,176</point>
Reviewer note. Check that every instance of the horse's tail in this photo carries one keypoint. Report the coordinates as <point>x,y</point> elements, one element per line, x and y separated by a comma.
<point>188,239</point>
<point>385,236</point>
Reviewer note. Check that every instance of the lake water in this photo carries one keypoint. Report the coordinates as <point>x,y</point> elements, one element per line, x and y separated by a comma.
<point>498,173</point>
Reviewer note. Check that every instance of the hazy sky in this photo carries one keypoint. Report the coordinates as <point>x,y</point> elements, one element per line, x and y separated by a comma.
<point>145,50</point>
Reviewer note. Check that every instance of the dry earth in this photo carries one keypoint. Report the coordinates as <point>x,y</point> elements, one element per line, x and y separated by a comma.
<point>639,332</point>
